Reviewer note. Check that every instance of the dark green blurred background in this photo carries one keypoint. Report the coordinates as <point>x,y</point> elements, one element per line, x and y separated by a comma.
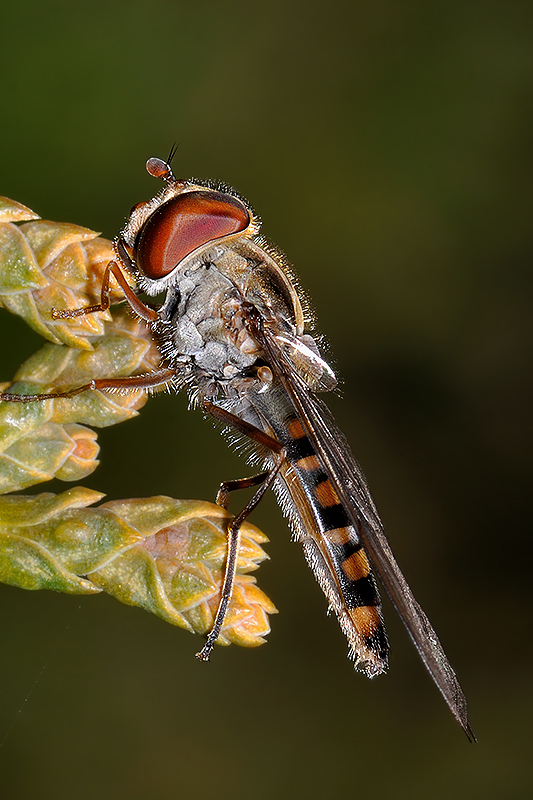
<point>388,148</point>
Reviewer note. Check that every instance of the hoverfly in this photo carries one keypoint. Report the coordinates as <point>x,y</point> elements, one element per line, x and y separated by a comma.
<point>233,332</point>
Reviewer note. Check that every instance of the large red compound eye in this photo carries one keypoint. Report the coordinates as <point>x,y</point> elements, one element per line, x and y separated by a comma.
<point>183,224</point>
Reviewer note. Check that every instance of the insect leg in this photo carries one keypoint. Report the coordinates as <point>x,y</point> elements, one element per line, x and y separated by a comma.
<point>129,383</point>
<point>265,481</point>
<point>222,498</point>
<point>144,311</point>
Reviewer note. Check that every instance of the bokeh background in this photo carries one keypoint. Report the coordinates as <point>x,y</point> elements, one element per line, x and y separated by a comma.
<point>388,148</point>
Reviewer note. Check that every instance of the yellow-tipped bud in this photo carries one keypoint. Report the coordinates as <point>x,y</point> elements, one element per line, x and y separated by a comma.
<point>163,555</point>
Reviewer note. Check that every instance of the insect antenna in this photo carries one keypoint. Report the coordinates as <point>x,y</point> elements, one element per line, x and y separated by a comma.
<point>173,151</point>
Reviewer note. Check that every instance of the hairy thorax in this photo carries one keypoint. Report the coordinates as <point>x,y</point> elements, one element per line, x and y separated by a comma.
<point>203,328</point>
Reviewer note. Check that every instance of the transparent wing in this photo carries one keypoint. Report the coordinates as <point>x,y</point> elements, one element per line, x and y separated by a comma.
<point>351,487</point>
<point>307,361</point>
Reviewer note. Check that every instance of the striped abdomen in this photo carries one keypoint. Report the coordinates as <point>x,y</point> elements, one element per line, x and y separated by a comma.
<point>332,547</point>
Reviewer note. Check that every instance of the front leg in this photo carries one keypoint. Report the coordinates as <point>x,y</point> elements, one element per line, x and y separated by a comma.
<point>141,309</point>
